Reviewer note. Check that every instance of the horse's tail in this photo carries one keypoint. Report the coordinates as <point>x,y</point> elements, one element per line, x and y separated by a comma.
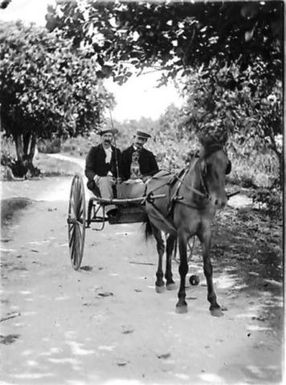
<point>148,228</point>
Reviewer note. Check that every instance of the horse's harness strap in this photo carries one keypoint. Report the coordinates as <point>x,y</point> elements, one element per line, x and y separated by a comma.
<point>167,221</point>
<point>186,204</point>
<point>177,198</point>
<point>197,192</point>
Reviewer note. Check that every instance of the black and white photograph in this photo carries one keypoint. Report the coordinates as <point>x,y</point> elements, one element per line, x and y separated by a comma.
<point>142,192</point>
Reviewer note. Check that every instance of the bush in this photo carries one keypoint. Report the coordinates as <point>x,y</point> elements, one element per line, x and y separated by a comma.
<point>7,159</point>
<point>79,146</point>
<point>268,200</point>
<point>254,169</point>
<point>52,146</point>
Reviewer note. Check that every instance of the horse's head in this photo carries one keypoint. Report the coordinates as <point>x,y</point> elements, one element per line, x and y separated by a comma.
<point>214,166</point>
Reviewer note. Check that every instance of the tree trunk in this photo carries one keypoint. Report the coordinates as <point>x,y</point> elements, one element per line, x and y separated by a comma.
<point>29,141</point>
<point>25,150</point>
<point>18,140</point>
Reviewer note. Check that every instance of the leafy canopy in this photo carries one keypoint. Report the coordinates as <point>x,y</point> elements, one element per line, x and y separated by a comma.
<point>230,55</point>
<point>46,88</point>
<point>172,35</point>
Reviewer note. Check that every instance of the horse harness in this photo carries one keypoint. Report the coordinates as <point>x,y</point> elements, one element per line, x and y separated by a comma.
<point>177,180</point>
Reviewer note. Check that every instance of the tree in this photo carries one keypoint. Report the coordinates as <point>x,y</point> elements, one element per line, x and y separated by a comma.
<point>4,3</point>
<point>246,106</point>
<point>175,36</point>
<point>231,54</point>
<point>47,89</point>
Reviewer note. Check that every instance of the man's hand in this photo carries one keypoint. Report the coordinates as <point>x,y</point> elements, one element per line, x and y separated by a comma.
<point>146,178</point>
<point>96,178</point>
<point>118,180</point>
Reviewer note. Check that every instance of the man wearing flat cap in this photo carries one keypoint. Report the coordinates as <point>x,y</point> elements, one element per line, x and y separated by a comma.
<point>138,164</point>
<point>102,166</point>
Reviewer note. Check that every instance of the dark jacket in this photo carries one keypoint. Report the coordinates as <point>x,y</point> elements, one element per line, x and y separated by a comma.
<point>95,162</point>
<point>147,162</point>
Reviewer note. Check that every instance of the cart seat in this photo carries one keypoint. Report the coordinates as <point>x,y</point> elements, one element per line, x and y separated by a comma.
<point>130,189</point>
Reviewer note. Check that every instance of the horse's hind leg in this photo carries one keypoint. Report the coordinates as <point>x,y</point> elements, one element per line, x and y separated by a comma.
<point>205,238</point>
<point>159,284</point>
<point>170,284</point>
<point>181,306</point>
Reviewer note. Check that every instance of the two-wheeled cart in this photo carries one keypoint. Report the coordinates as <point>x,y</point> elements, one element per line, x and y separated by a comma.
<point>83,214</point>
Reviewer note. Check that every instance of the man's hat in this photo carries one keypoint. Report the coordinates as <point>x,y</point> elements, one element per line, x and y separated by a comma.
<point>112,131</point>
<point>142,134</point>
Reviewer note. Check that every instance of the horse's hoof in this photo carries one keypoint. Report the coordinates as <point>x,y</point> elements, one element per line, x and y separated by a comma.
<point>160,289</point>
<point>171,286</point>
<point>216,312</point>
<point>181,309</point>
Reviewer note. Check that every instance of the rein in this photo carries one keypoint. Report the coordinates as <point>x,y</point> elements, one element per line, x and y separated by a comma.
<point>205,194</point>
<point>176,198</point>
<point>179,199</point>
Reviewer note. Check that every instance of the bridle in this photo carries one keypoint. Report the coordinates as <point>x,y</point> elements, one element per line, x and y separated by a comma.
<point>176,198</point>
<point>180,178</point>
<point>205,191</point>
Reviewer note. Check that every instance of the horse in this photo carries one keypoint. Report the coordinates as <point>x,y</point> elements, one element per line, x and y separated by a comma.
<point>191,199</point>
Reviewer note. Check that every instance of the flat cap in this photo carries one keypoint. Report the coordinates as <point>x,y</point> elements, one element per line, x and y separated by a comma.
<point>112,131</point>
<point>143,134</point>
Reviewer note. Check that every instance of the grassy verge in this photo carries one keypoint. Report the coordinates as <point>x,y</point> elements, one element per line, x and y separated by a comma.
<point>54,167</point>
<point>248,243</point>
<point>9,207</point>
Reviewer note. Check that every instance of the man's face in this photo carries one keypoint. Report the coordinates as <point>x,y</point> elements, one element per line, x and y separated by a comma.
<point>139,141</point>
<point>107,138</point>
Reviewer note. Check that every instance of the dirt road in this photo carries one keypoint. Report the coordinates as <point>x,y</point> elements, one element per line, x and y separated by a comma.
<point>105,324</point>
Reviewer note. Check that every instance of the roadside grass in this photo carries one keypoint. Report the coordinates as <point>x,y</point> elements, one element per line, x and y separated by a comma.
<point>260,170</point>
<point>248,242</point>
<point>79,147</point>
<point>10,206</point>
<point>53,167</point>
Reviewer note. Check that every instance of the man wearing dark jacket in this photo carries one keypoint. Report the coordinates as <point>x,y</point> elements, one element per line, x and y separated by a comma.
<point>137,162</point>
<point>138,165</point>
<point>103,163</point>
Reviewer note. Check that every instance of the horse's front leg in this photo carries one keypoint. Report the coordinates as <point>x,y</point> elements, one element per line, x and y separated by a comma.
<point>170,283</point>
<point>159,284</point>
<point>181,306</point>
<point>205,238</point>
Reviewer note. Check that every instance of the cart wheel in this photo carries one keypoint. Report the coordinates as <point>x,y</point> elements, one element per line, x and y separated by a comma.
<point>76,221</point>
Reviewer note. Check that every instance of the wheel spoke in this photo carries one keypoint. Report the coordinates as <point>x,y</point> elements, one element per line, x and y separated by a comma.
<point>76,227</point>
<point>73,254</point>
<point>81,209</point>
<point>72,238</point>
<point>77,208</point>
<point>78,244</point>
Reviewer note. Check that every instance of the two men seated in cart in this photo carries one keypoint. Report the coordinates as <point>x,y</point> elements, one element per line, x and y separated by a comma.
<point>111,173</point>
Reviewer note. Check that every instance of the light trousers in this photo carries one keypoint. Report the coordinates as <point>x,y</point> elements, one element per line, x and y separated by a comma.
<point>105,184</point>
